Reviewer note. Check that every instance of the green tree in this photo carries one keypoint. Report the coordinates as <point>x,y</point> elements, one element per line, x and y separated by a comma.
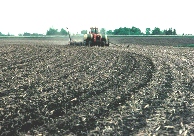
<point>135,31</point>
<point>26,34</point>
<point>63,32</point>
<point>34,34</point>
<point>52,31</point>
<point>148,31</point>
<point>174,32</point>
<point>164,32</point>
<point>127,31</point>
<point>109,32</point>
<point>169,31</point>
<point>116,32</point>
<point>1,34</point>
<point>84,32</point>
<point>102,31</point>
<point>122,31</point>
<point>156,31</point>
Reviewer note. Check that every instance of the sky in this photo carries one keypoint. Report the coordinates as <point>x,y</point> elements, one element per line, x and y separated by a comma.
<point>37,16</point>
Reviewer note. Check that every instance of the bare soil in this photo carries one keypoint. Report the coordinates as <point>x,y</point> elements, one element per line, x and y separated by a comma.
<point>137,86</point>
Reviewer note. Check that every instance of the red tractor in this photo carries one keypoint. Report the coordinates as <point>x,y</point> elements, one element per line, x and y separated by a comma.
<point>95,38</point>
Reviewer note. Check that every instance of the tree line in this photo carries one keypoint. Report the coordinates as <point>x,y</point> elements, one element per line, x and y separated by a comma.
<point>137,31</point>
<point>53,31</point>
<point>24,34</point>
<point>1,34</point>
<point>119,31</point>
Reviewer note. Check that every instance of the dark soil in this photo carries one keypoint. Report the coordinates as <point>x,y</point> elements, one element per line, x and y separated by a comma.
<point>154,40</point>
<point>48,87</point>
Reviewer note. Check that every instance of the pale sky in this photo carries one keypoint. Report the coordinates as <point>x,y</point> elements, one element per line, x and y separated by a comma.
<point>37,16</point>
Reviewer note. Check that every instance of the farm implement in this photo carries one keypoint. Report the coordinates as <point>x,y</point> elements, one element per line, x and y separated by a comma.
<point>73,42</point>
<point>94,38</point>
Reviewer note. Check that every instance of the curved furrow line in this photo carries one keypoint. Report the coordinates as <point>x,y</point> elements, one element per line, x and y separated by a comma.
<point>167,102</point>
<point>82,96</point>
<point>32,101</point>
<point>72,90</point>
<point>80,121</point>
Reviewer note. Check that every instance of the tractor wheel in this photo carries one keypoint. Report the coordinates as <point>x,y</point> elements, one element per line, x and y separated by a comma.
<point>107,43</point>
<point>103,44</point>
<point>89,43</point>
<point>84,43</point>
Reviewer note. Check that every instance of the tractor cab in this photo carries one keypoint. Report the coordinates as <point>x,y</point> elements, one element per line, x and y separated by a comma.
<point>95,38</point>
<point>94,30</point>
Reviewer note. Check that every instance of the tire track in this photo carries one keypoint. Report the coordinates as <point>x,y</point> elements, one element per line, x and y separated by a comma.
<point>53,112</point>
<point>90,115</point>
<point>167,104</point>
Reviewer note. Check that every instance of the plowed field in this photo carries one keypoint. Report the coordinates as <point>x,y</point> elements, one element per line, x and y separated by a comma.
<point>139,86</point>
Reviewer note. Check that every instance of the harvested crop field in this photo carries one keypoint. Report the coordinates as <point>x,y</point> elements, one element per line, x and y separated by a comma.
<point>136,87</point>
